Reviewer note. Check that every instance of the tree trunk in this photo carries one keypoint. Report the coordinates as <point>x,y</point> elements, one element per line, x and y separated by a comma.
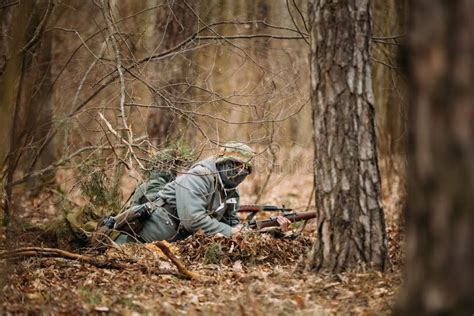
<point>440,261</point>
<point>39,122</point>
<point>350,224</point>
<point>23,28</point>
<point>13,39</point>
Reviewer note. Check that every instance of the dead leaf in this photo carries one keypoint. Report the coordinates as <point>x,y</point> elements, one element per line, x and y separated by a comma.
<point>237,266</point>
<point>101,309</point>
<point>299,301</point>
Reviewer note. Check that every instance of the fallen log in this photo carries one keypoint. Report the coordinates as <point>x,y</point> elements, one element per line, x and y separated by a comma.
<point>40,252</point>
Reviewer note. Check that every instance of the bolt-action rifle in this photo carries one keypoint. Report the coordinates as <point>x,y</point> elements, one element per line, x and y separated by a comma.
<point>253,209</point>
<point>272,221</point>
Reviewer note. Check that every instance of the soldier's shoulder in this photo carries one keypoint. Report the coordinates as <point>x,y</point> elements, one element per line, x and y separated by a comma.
<point>197,173</point>
<point>200,170</point>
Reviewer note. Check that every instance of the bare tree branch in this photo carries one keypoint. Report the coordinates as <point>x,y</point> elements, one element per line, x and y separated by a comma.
<point>301,15</point>
<point>39,29</point>
<point>251,36</point>
<point>294,22</point>
<point>108,21</point>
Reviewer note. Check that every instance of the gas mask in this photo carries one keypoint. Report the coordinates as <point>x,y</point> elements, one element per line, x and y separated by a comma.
<point>232,173</point>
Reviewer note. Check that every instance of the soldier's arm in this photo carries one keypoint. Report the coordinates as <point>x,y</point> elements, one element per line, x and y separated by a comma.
<point>192,192</point>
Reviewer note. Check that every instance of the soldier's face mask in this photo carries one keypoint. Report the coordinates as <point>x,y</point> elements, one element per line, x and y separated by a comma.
<point>232,173</point>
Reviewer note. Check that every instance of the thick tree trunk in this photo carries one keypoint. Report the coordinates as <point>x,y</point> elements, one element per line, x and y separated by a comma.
<point>440,258</point>
<point>350,224</point>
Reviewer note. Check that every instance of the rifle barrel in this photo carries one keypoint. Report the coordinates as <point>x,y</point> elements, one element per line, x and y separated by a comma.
<point>254,208</point>
<point>293,217</point>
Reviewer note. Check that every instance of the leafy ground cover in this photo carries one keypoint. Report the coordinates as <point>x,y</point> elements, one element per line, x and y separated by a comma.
<point>256,274</point>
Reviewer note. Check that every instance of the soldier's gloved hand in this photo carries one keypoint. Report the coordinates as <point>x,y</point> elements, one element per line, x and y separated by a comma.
<point>108,221</point>
<point>284,223</point>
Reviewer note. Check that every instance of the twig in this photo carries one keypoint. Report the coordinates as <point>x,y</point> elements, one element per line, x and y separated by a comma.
<point>181,268</point>
<point>243,36</point>
<point>39,29</point>
<point>383,63</point>
<point>59,163</point>
<point>116,134</point>
<point>6,5</point>
<point>28,252</point>
<point>86,74</point>
<point>301,15</point>
<point>272,167</point>
<point>171,52</point>
<point>84,42</point>
<point>76,97</point>
<point>294,22</point>
<point>263,22</point>
<point>113,148</point>
<point>386,43</point>
<point>118,62</point>
<point>247,122</point>
<point>388,37</point>
<point>206,26</point>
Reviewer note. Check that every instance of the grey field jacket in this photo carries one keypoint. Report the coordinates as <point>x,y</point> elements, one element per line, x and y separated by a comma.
<point>194,201</point>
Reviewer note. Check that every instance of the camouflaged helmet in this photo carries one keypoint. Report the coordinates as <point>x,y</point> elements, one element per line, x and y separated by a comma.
<point>237,152</point>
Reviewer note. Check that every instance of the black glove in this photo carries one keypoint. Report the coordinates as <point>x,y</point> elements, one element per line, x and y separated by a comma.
<point>108,221</point>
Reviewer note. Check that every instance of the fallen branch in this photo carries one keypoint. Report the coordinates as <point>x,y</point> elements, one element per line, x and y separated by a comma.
<point>181,267</point>
<point>29,252</point>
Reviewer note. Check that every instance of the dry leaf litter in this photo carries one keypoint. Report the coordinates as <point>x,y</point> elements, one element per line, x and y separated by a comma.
<point>254,274</point>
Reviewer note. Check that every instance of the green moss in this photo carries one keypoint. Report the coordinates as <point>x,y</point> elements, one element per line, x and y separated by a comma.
<point>213,253</point>
<point>100,189</point>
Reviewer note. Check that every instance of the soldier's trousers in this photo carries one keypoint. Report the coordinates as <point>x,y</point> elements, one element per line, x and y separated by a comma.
<point>160,226</point>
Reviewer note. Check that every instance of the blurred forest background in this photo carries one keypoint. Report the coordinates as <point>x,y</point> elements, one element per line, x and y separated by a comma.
<point>98,92</point>
<point>95,94</point>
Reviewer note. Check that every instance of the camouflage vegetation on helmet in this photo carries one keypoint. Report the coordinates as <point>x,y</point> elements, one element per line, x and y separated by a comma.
<point>237,152</point>
<point>166,161</point>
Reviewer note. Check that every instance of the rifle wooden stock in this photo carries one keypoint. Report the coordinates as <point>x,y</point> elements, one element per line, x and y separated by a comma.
<point>271,222</point>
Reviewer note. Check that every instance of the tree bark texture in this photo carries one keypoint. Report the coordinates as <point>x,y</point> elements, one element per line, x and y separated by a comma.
<point>440,258</point>
<point>350,223</point>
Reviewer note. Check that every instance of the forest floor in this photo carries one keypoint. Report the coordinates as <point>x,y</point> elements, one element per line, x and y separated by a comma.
<point>257,274</point>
